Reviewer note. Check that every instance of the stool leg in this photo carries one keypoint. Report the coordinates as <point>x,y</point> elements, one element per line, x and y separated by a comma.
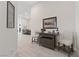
<point>69,52</point>
<point>72,48</point>
<point>32,39</point>
<point>58,46</point>
<point>63,47</point>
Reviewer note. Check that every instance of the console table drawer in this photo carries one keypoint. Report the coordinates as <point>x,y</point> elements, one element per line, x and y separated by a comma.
<point>47,40</point>
<point>47,45</point>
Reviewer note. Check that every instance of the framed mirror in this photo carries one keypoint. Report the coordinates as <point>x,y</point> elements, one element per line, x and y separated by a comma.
<point>10,15</point>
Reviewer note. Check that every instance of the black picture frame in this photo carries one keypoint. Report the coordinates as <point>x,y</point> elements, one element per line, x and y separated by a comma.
<point>10,15</point>
<point>52,25</point>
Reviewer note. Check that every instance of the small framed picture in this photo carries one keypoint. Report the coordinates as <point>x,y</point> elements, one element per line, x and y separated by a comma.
<point>10,15</point>
<point>50,23</point>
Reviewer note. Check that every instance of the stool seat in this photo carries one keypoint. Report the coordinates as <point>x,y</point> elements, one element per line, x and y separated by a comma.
<point>66,42</point>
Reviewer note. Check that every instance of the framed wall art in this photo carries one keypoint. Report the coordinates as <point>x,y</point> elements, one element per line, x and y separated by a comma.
<point>10,15</point>
<point>50,23</point>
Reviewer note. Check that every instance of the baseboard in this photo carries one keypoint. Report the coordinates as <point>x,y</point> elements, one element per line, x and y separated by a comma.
<point>8,55</point>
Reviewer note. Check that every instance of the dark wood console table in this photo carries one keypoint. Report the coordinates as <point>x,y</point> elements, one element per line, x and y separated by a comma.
<point>47,40</point>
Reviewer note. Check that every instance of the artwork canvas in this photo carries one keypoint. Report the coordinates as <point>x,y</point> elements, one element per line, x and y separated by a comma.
<point>50,23</point>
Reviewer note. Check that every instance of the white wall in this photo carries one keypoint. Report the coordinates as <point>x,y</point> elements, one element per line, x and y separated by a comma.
<point>8,36</point>
<point>65,12</point>
<point>77,24</point>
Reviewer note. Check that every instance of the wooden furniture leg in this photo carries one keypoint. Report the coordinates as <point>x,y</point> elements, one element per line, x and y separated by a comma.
<point>58,46</point>
<point>70,50</point>
<point>32,39</point>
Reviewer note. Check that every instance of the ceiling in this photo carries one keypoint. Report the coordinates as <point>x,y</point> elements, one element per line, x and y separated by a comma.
<point>25,6</point>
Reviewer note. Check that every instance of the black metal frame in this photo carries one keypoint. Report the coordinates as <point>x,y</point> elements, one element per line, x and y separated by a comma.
<point>8,2</point>
<point>50,19</point>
